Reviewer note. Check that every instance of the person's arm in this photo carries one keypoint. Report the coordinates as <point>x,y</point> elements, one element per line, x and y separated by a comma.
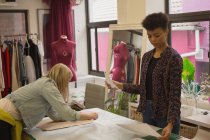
<point>84,115</point>
<point>88,115</point>
<point>118,84</point>
<point>174,95</point>
<point>167,131</point>
<point>136,89</point>
<point>63,110</point>
<point>130,88</point>
<point>176,66</point>
<point>53,114</point>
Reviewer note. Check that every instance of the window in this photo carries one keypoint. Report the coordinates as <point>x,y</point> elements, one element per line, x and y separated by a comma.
<point>100,13</point>
<point>13,22</point>
<point>186,6</point>
<point>102,10</point>
<point>190,39</point>
<point>189,26</point>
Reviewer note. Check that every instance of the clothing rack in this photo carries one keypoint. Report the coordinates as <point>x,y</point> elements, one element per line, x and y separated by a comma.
<point>130,46</point>
<point>19,35</point>
<point>115,42</point>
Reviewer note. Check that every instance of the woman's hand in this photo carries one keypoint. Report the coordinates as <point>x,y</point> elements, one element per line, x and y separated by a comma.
<point>166,132</point>
<point>117,85</point>
<point>88,115</point>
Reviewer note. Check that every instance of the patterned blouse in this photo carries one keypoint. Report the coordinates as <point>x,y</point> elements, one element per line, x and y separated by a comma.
<point>166,83</point>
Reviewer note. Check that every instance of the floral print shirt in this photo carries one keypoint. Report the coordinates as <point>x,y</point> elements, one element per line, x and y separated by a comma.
<point>166,84</point>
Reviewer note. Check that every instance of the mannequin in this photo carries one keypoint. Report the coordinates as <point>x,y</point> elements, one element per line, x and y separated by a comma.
<point>63,52</point>
<point>121,55</point>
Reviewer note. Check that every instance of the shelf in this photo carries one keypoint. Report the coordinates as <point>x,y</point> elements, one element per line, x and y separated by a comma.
<point>8,4</point>
<point>184,28</point>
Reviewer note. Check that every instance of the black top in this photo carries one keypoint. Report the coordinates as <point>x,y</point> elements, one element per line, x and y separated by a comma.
<point>150,69</point>
<point>32,49</point>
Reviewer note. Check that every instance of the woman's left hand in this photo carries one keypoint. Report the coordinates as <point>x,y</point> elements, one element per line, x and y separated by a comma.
<point>166,132</point>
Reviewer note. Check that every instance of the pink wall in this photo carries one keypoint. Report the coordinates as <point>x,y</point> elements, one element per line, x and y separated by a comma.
<point>184,41</point>
<point>102,49</point>
<point>195,5</point>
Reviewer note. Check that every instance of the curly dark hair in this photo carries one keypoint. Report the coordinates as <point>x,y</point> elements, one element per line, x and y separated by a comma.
<point>155,20</point>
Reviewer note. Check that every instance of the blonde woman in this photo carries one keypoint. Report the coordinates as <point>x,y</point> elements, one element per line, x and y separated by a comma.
<point>46,96</point>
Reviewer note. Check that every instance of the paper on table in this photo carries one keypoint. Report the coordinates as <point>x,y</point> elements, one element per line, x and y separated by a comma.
<point>142,129</point>
<point>137,139</point>
<point>109,82</point>
<point>47,124</point>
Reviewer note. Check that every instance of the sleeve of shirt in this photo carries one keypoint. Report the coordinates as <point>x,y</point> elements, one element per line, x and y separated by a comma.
<point>176,66</point>
<point>60,110</point>
<point>53,114</point>
<point>130,88</point>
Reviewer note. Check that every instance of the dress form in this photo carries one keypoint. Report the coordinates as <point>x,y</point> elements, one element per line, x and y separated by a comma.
<point>121,55</point>
<point>63,51</point>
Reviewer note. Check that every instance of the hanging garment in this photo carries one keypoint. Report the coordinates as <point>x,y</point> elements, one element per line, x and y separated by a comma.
<point>32,49</point>
<point>2,85</point>
<point>30,69</point>
<point>137,70</point>
<point>41,52</point>
<point>22,70</point>
<point>6,86</point>
<point>15,69</point>
<point>130,67</point>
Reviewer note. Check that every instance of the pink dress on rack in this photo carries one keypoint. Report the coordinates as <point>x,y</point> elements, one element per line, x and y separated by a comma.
<point>121,55</point>
<point>63,51</point>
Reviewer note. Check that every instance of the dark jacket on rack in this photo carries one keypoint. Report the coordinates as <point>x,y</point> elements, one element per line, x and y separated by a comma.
<point>166,83</point>
<point>23,77</point>
<point>32,49</point>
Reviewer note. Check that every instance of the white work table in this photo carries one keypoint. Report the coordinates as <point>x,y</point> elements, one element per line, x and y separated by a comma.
<point>197,117</point>
<point>106,127</point>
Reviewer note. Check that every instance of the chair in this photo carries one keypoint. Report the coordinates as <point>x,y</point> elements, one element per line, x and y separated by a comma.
<point>94,96</point>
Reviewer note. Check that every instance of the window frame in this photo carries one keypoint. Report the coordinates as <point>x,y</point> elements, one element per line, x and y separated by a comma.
<point>89,26</point>
<point>188,17</point>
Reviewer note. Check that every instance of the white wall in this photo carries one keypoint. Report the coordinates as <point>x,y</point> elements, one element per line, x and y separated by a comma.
<point>150,8</point>
<point>32,6</point>
<point>80,24</point>
<point>159,6</point>
<point>81,39</point>
<point>134,11</point>
<point>130,11</point>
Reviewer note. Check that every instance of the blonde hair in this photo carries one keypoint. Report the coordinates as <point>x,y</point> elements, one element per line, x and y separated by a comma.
<point>61,74</point>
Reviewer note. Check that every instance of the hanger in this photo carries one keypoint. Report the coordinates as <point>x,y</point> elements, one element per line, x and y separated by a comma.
<point>34,38</point>
<point>130,47</point>
<point>20,38</point>
<point>28,45</point>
